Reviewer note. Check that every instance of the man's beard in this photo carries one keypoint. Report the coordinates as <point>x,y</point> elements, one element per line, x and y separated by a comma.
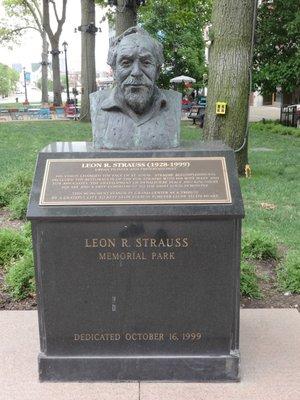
<point>137,94</point>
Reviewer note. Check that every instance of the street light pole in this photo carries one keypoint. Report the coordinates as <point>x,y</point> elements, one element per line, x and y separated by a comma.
<point>65,45</point>
<point>25,86</point>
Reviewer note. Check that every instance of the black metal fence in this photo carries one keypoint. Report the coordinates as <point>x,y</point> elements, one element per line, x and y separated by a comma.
<point>290,115</point>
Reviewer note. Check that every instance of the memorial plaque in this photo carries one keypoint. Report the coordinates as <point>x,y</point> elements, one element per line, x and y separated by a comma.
<point>141,281</point>
<point>136,181</point>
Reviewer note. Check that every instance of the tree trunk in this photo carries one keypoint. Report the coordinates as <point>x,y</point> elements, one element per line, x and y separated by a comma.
<point>230,74</point>
<point>88,67</point>
<point>125,16</point>
<point>57,100</point>
<point>54,40</point>
<point>45,68</point>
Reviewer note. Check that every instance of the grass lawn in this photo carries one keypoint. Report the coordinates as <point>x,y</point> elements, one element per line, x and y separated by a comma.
<point>5,106</point>
<point>274,161</point>
<point>21,141</point>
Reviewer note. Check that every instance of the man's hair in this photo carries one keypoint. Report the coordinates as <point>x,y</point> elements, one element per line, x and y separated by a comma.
<point>113,49</point>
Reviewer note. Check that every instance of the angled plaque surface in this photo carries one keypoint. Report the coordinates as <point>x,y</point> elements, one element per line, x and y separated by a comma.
<point>102,181</point>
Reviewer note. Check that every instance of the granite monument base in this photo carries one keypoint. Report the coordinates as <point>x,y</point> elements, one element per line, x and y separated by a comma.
<point>168,368</point>
<point>132,287</point>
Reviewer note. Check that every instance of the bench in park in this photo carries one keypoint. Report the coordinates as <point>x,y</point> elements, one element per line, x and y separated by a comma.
<point>39,113</point>
<point>197,114</point>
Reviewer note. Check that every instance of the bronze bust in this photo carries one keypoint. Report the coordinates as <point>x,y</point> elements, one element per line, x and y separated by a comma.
<point>136,114</point>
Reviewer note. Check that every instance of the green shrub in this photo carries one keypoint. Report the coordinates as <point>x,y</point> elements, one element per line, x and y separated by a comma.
<point>18,206</point>
<point>16,186</point>
<point>257,245</point>
<point>288,272</point>
<point>13,244</point>
<point>249,281</point>
<point>19,278</point>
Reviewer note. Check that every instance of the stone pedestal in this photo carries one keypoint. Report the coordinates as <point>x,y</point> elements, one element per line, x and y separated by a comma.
<point>137,291</point>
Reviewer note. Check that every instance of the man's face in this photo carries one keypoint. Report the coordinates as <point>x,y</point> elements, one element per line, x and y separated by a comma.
<point>136,71</point>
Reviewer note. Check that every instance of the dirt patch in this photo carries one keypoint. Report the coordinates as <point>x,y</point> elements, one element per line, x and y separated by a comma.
<point>7,222</point>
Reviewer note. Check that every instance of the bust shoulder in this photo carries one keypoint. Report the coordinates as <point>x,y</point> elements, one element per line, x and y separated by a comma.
<point>97,98</point>
<point>171,94</point>
<point>172,97</point>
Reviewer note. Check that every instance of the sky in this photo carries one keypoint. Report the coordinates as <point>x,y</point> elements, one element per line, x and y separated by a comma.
<point>30,49</point>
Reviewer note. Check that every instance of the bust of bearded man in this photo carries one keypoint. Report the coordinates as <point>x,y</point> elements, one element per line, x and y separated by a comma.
<point>135,113</point>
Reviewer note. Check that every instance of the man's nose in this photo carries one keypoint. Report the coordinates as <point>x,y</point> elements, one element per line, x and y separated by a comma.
<point>136,69</point>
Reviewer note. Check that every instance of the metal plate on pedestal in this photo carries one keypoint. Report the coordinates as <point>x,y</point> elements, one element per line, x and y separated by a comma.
<point>102,181</point>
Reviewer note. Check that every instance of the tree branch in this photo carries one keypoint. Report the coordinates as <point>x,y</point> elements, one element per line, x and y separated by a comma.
<point>7,34</point>
<point>46,20</point>
<point>25,27</point>
<point>64,11</point>
<point>37,6</point>
<point>55,10</point>
<point>61,21</point>
<point>26,3</point>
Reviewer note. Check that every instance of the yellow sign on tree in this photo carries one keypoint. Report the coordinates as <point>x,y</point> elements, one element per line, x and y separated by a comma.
<point>221,107</point>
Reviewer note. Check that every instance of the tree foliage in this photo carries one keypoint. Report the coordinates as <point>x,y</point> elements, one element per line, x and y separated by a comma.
<point>277,49</point>
<point>178,25</point>
<point>8,80</point>
<point>19,18</point>
<point>23,15</point>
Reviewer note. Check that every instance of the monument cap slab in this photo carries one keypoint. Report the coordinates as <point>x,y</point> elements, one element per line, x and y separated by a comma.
<point>85,151</point>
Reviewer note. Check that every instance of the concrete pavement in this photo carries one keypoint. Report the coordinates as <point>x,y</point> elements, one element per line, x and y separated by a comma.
<point>270,348</point>
<point>255,113</point>
<point>266,112</point>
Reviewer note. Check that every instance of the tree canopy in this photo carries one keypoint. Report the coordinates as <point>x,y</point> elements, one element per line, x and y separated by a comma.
<point>21,16</point>
<point>8,79</point>
<point>179,27</point>
<point>277,49</point>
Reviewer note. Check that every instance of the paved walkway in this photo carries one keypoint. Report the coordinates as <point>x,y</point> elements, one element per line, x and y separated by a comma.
<point>270,348</point>
<point>266,112</point>
<point>255,113</point>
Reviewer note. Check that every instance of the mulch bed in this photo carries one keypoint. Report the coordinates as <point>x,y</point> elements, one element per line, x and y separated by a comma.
<point>266,270</point>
